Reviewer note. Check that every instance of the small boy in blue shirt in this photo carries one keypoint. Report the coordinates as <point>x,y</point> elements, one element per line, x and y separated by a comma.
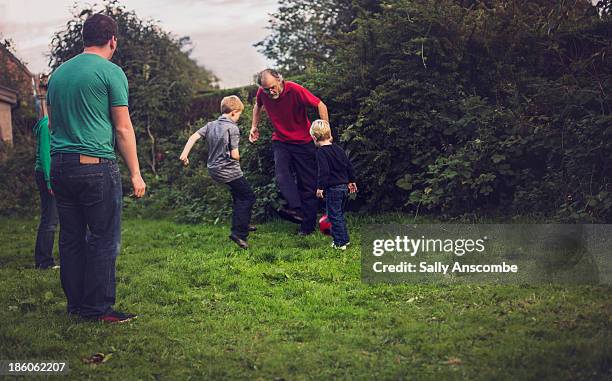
<point>335,180</point>
<point>222,136</point>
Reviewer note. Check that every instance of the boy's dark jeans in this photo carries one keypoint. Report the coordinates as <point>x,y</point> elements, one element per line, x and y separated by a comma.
<point>43,252</point>
<point>88,197</point>
<point>243,200</point>
<point>295,167</point>
<point>334,202</point>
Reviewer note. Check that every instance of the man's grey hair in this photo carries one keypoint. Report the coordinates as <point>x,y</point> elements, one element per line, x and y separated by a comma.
<point>272,72</point>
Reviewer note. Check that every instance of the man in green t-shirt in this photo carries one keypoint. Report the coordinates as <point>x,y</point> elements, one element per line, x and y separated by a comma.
<point>88,113</point>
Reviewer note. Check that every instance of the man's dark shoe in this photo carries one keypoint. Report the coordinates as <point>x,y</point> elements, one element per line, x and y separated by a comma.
<point>115,317</point>
<point>252,228</point>
<point>303,233</point>
<point>52,266</point>
<point>290,215</point>
<point>239,241</point>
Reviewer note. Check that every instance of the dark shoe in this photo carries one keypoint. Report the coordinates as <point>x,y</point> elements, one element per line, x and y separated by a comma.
<point>48,267</point>
<point>303,233</point>
<point>252,228</point>
<point>239,241</point>
<point>115,317</point>
<point>290,215</point>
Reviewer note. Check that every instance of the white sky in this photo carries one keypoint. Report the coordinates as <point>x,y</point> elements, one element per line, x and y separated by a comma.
<point>222,31</point>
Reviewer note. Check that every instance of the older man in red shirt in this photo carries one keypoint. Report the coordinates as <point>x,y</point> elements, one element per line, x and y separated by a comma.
<point>286,104</point>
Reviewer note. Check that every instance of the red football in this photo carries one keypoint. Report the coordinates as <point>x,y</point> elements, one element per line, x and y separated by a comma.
<point>325,225</point>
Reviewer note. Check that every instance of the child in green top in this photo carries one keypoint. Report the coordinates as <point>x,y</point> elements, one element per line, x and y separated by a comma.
<point>43,155</point>
<point>43,253</point>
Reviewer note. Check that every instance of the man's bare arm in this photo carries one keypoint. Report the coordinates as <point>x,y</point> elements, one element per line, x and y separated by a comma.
<point>126,142</point>
<point>254,134</point>
<point>323,111</point>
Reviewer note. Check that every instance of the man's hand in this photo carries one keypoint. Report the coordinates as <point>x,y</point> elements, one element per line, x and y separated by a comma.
<point>320,193</point>
<point>139,186</point>
<point>50,191</point>
<point>184,159</point>
<point>254,134</point>
<point>352,187</point>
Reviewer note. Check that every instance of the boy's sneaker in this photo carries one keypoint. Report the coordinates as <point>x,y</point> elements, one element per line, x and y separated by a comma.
<point>340,247</point>
<point>115,317</point>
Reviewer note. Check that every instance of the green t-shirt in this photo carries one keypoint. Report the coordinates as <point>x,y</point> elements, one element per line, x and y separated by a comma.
<point>80,95</point>
<point>43,160</point>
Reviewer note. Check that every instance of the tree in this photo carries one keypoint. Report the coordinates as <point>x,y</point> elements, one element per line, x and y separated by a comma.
<point>303,33</point>
<point>162,77</point>
<point>477,106</point>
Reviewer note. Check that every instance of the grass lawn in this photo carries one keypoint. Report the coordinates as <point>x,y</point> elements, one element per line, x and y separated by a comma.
<point>293,309</point>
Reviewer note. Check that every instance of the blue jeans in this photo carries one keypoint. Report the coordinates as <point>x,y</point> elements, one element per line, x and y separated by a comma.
<point>295,168</point>
<point>89,206</point>
<point>43,252</point>
<point>334,203</point>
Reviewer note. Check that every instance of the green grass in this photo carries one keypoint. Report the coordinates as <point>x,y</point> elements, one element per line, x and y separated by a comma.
<point>293,309</point>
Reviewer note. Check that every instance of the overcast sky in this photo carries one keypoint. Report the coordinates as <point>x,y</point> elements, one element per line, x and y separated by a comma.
<point>223,31</point>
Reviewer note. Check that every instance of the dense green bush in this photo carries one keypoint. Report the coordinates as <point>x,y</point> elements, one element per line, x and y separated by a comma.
<point>452,107</point>
<point>18,192</point>
<point>445,107</point>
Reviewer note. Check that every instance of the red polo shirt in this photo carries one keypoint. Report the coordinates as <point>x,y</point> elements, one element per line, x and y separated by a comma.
<point>288,113</point>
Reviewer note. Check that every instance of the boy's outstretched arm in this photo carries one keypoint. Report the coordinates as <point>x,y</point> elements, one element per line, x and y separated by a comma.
<point>190,142</point>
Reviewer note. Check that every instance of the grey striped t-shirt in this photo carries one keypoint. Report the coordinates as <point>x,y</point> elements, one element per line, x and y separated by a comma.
<point>222,136</point>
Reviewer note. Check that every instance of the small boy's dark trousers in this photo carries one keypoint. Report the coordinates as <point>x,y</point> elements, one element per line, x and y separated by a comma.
<point>243,200</point>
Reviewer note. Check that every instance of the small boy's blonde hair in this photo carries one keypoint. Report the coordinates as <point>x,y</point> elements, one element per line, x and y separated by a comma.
<point>231,103</point>
<point>320,130</point>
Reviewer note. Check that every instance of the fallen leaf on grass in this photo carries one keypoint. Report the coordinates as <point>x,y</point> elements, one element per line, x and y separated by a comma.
<point>97,358</point>
<point>566,324</point>
<point>454,361</point>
